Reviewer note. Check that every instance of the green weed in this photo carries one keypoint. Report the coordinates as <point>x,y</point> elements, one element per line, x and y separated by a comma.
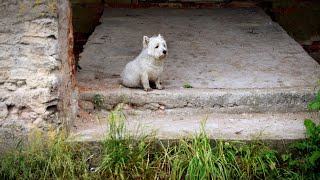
<point>307,158</point>
<point>200,158</point>
<point>98,100</point>
<point>126,156</point>
<point>187,85</point>
<point>49,157</point>
<point>315,104</point>
<point>135,157</point>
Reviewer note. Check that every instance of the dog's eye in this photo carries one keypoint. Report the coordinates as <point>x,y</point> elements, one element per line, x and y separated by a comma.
<point>157,46</point>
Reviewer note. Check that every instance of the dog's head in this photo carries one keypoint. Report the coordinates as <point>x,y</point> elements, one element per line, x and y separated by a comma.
<point>156,46</point>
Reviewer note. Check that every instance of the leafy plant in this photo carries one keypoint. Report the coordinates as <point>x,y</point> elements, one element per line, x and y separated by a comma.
<point>308,158</point>
<point>187,85</point>
<point>315,104</point>
<point>98,100</point>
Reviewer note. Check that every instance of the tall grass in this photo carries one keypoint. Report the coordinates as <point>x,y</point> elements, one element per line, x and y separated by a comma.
<point>124,155</point>
<point>45,157</point>
<point>200,158</point>
<point>139,156</point>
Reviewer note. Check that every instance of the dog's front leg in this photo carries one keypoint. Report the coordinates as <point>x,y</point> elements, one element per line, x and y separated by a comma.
<point>145,82</point>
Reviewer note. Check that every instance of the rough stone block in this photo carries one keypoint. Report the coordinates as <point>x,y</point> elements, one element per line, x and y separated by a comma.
<point>86,105</point>
<point>3,111</point>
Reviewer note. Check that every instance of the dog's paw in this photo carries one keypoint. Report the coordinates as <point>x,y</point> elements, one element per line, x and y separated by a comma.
<point>160,87</point>
<point>148,89</point>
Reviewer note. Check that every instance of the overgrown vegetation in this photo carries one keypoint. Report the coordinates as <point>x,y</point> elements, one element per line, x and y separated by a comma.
<point>125,156</point>
<point>201,159</point>
<point>307,158</point>
<point>140,156</point>
<point>48,157</point>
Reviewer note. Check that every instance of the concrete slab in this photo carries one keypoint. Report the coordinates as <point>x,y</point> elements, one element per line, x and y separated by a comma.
<point>180,123</point>
<point>208,48</point>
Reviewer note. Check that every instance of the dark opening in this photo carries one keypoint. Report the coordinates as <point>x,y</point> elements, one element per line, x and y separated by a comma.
<point>86,15</point>
<point>300,19</point>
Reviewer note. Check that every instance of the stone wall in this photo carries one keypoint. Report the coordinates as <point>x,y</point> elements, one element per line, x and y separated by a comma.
<point>30,66</point>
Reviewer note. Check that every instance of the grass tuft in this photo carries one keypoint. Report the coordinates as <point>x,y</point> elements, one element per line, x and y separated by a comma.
<point>126,156</point>
<point>45,157</point>
<point>187,85</point>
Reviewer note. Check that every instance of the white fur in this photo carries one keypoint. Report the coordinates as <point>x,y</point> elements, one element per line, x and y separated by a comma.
<point>148,66</point>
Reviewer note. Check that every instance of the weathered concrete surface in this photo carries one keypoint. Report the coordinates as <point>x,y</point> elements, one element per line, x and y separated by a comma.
<point>212,48</point>
<point>178,123</point>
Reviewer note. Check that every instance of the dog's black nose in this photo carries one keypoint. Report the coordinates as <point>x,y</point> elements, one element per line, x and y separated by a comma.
<point>164,52</point>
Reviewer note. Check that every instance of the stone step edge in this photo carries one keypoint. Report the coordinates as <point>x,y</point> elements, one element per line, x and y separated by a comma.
<point>293,99</point>
<point>176,125</point>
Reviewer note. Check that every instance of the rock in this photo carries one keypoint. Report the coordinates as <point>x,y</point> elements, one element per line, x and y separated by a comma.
<point>152,106</point>
<point>3,111</point>
<point>38,121</point>
<point>21,83</point>
<point>10,86</point>
<point>162,107</point>
<point>86,105</point>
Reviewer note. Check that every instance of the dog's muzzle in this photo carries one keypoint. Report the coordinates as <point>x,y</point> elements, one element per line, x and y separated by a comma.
<point>163,56</point>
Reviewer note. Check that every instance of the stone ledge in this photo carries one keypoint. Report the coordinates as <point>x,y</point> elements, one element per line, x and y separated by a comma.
<point>184,123</point>
<point>217,100</point>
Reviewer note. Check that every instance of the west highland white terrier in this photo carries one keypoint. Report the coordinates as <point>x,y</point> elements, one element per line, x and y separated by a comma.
<point>148,66</point>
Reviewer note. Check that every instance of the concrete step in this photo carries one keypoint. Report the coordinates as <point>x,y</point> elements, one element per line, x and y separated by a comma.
<point>294,99</point>
<point>185,122</point>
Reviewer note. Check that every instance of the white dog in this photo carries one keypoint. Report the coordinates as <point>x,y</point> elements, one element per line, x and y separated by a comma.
<point>148,66</point>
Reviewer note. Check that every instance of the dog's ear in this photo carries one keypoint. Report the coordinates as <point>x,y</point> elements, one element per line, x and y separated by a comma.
<point>160,36</point>
<point>145,41</point>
